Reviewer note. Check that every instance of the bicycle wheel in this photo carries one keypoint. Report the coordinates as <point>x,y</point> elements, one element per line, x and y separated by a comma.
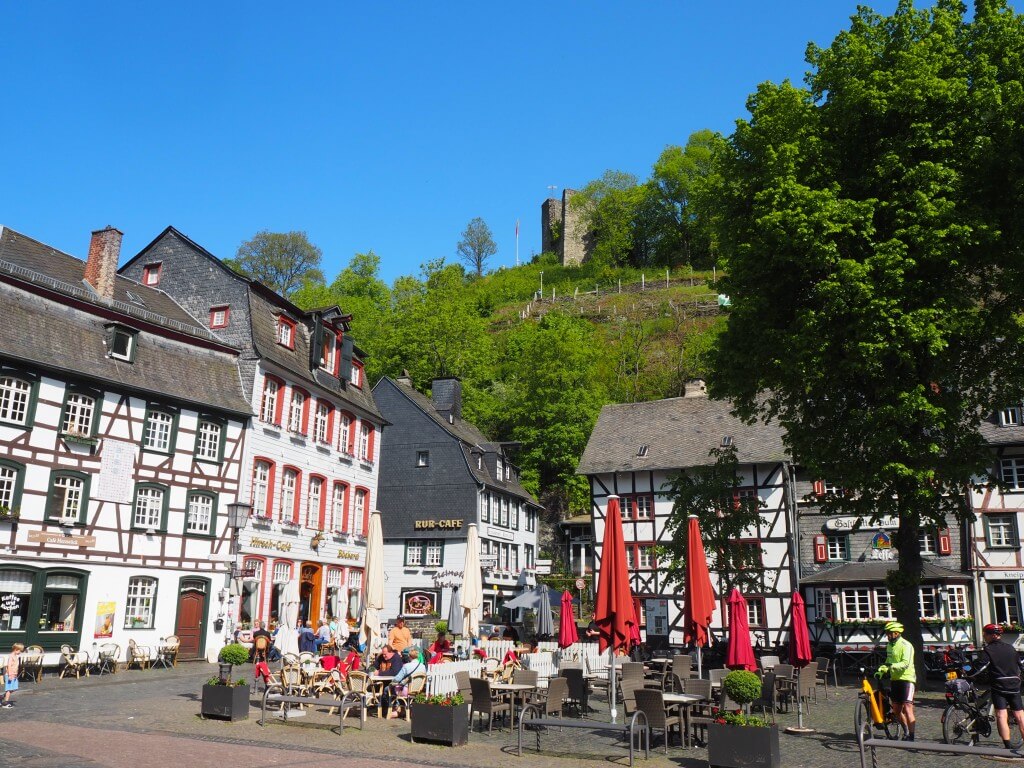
<point>862,721</point>
<point>894,729</point>
<point>958,726</point>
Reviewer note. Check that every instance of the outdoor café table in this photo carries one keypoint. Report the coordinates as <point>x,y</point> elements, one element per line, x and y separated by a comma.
<point>377,684</point>
<point>683,701</point>
<point>516,691</point>
<point>164,656</point>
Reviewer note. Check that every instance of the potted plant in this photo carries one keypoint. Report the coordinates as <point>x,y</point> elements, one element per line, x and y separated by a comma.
<point>9,513</point>
<point>441,626</point>
<point>221,697</point>
<point>738,740</point>
<point>443,718</point>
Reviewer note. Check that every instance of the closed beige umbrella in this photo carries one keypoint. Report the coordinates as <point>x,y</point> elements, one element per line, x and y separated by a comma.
<point>472,593</point>
<point>374,602</point>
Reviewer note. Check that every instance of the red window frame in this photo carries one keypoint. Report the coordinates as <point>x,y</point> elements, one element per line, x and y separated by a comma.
<point>366,508</point>
<point>283,320</point>
<point>304,416</point>
<point>263,592</point>
<point>358,367</point>
<point>370,440</point>
<point>747,542</point>
<point>227,313</point>
<point>282,390</point>
<point>630,502</point>
<point>634,547</point>
<point>342,524</point>
<point>324,486</point>
<point>297,503</point>
<point>349,449</point>
<point>269,515</point>
<point>330,421</point>
<point>150,271</point>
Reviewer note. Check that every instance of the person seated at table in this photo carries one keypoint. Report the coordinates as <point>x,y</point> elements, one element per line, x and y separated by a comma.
<point>511,657</point>
<point>400,685</point>
<point>307,640</point>
<point>593,631</point>
<point>510,633</point>
<point>350,661</point>
<point>323,635</point>
<point>439,648</point>
<point>387,662</point>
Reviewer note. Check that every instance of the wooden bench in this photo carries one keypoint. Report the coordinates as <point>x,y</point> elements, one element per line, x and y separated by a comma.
<point>870,745</point>
<point>637,725</point>
<point>349,701</point>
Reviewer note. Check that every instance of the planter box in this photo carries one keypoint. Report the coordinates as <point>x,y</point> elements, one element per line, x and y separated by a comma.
<point>433,722</point>
<point>226,701</point>
<point>737,746</point>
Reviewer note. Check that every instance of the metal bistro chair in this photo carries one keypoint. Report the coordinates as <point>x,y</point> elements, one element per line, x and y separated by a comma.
<point>484,702</point>
<point>826,666</point>
<point>578,689</point>
<point>652,704</point>
<point>107,658</point>
<point>168,654</point>
<point>769,698</point>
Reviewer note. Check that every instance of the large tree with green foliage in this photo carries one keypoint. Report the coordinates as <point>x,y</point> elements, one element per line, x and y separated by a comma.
<point>282,261</point>
<point>477,245</point>
<point>872,233</point>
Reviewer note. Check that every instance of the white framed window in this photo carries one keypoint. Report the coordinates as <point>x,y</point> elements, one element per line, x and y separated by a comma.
<point>823,603</point>
<point>345,433</point>
<point>646,556</point>
<point>296,411</point>
<point>1005,602</point>
<point>856,604</point>
<point>159,427</point>
<point>422,458</point>
<point>8,485</point>
<point>149,506</point>
<point>282,572</point>
<point>316,491</point>
<point>414,552</point>
<point>268,406</point>
<point>838,547</point>
<point>1012,472</point>
<point>358,512</point>
<point>337,507</point>
<point>927,540</point>
<point>956,601</point>
<point>1001,530</point>
<point>208,439</point>
<point>928,602</point>
<point>122,344</point>
<point>289,485</point>
<point>355,579</point>
<point>356,377</point>
<point>505,510</point>
<point>140,603</point>
<point>644,507</point>
<point>219,316</point>
<point>334,577</point>
<point>435,551</point>
<point>755,612</point>
<point>883,604</point>
<point>321,422</point>
<point>151,273</point>
<point>260,487</point>
<point>514,564</point>
<point>256,566</point>
<point>503,554</point>
<point>485,506</point>
<point>531,519</point>
<point>1010,417</point>
<point>500,469</point>
<point>69,491</point>
<point>364,441</point>
<point>285,332</point>
<point>79,411</point>
<point>200,514</point>
<point>630,558</point>
<point>515,516</point>
<point>15,396</point>
<point>327,352</point>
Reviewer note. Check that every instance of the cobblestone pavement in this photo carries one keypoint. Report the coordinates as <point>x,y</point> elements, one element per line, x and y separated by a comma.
<point>150,718</point>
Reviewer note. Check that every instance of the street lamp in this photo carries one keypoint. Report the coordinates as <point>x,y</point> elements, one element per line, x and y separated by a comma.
<point>542,283</point>
<point>238,515</point>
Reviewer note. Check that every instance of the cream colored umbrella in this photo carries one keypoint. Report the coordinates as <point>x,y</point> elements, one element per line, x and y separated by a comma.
<point>287,640</point>
<point>373,604</point>
<point>471,596</point>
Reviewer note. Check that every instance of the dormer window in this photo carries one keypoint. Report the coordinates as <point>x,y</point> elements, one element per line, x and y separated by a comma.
<point>329,351</point>
<point>357,374</point>
<point>1010,417</point>
<point>120,343</point>
<point>286,332</point>
<point>219,316</point>
<point>151,273</point>
<point>500,473</point>
<point>641,452</point>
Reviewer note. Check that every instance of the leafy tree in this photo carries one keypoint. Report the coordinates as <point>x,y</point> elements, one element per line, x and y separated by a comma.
<point>280,260</point>
<point>477,245</point>
<point>711,492</point>
<point>871,228</point>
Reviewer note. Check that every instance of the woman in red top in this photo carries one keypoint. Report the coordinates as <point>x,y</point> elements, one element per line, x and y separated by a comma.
<point>439,648</point>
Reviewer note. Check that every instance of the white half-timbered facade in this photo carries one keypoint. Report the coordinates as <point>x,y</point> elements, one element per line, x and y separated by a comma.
<point>634,450</point>
<point>122,425</point>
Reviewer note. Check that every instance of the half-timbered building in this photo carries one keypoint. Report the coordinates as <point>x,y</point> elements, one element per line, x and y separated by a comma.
<point>439,473</point>
<point>310,465</point>
<point>121,438</point>
<point>633,452</point>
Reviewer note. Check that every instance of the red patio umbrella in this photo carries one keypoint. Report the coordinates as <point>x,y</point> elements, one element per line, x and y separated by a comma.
<point>799,652</point>
<point>567,634</point>
<point>613,607</point>
<point>740,654</point>
<point>700,595</point>
<point>634,630</point>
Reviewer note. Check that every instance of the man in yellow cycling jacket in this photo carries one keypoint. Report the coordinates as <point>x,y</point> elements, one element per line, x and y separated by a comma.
<point>899,664</point>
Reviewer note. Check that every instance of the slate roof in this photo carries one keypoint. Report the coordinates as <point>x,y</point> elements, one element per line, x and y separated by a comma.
<point>30,260</point>
<point>678,432</point>
<point>994,434</point>
<point>875,570</point>
<point>471,439</point>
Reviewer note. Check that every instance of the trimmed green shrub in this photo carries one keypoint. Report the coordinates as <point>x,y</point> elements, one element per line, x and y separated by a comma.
<point>741,686</point>
<point>234,654</point>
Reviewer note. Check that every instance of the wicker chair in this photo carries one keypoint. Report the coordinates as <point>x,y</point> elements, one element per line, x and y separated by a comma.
<point>769,698</point>
<point>558,692</point>
<point>579,689</point>
<point>138,655</point>
<point>32,663</point>
<point>417,684</point>
<point>74,663</point>
<point>826,666</point>
<point>652,704</point>
<point>484,702</point>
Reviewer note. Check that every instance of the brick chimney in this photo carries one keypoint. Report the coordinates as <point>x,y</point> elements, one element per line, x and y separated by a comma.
<point>447,396</point>
<point>101,266</point>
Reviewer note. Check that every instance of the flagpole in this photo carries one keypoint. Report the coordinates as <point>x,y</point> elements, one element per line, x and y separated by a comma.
<point>517,242</point>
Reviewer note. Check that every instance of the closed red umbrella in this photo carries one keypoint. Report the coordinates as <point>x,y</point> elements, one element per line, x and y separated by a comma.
<point>700,595</point>
<point>634,632</point>
<point>613,607</point>
<point>740,654</point>
<point>799,635</point>
<point>567,634</point>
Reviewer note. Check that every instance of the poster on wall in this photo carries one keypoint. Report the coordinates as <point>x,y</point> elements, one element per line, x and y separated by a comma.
<point>104,620</point>
<point>116,479</point>
<point>657,617</point>
<point>420,602</point>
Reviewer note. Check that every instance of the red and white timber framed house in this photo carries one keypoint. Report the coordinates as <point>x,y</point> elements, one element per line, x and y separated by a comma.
<point>312,455</point>
<point>633,452</point>
<point>122,423</point>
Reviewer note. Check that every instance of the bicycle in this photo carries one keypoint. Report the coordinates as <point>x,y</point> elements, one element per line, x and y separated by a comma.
<point>970,716</point>
<point>874,711</point>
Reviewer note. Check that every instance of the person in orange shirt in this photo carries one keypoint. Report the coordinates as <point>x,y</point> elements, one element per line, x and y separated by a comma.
<point>400,637</point>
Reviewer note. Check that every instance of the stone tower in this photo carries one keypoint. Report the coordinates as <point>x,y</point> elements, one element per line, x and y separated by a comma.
<point>551,226</point>
<point>574,244</point>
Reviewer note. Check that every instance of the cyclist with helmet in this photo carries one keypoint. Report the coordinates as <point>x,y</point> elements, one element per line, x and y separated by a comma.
<point>899,665</point>
<point>1000,661</point>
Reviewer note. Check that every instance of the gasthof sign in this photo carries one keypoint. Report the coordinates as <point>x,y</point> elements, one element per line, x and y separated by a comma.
<point>843,524</point>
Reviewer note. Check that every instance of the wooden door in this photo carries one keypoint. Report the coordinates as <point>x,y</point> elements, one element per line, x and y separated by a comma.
<point>191,610</point>
<point>309,591</point>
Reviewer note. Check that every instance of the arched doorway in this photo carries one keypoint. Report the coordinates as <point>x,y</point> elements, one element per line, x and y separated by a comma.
<point>310,591</point>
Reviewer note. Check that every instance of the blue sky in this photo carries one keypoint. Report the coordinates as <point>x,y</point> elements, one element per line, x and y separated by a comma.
<point>372,125</point>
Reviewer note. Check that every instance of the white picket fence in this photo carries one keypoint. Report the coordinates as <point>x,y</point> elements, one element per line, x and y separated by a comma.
<point>497,648</point>
<point>542,662</point>
<point>441,677</point>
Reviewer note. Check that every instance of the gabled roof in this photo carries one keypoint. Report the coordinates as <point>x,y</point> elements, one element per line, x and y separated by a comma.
<point>677,433</point>
<point>28,259</point>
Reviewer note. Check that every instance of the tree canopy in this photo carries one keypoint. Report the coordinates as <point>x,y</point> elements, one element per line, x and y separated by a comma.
<point>477,245</point>
<point>280,260</point>
<point>868,226</point>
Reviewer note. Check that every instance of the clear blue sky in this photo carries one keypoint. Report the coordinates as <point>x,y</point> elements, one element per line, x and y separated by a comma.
<point>368,125</point>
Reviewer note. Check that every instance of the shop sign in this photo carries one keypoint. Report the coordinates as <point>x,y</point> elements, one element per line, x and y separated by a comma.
<point>344,554</point>
<point>280,546</point>
<point>420,602</point>
<point>10,603</point>
<point>497,533</point>
<point>995,575</point>
<point>488,561</point>
<point>881,547</point>
<point>39,537</point>
<point>433,525</point>
<point>848,524</point>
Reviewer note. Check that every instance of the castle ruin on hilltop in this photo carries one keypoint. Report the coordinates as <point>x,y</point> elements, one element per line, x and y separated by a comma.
<point>564,229</point>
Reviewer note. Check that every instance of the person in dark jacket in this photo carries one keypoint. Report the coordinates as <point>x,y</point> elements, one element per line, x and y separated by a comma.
<point>1002,665</point>
<point>307,640</point>
<point>388,662</point>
